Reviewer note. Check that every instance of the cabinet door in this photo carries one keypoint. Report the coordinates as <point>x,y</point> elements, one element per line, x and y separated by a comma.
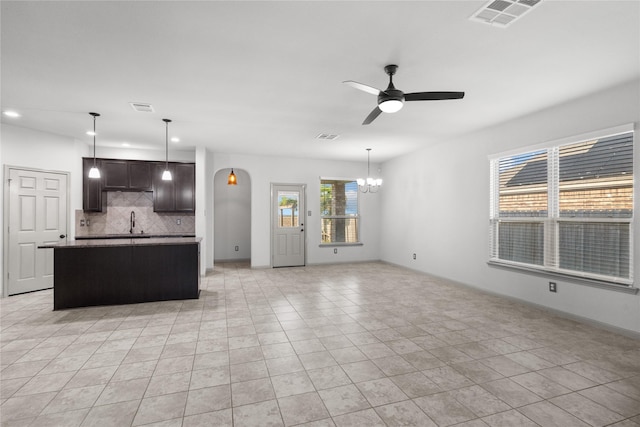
<point>91,188</point>
<point>115,175</point>
<point>139,176</point>
<point>163,191</point>
<point>185,185</point>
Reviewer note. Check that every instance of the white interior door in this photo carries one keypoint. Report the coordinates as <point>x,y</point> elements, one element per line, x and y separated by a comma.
<point>287,237</point>
<point>37,215</point>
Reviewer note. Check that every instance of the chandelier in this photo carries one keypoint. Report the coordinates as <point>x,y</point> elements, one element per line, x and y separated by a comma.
<point>369,185</point>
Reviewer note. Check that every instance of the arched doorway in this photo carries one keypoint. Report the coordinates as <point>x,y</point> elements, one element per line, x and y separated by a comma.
<point>232,217</point>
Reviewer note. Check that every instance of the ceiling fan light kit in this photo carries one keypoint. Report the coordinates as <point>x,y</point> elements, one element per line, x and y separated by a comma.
<point>391,100</point>
<point>391,106</point>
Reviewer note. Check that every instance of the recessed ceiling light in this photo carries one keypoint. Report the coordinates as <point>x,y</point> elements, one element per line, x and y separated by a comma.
<point>91,133</point>
<point>12,114</point>
<point>175,139</point>
<point>126,144</point>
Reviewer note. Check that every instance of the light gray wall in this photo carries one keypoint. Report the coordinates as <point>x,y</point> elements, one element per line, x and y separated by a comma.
<point>40,150</point>
<point>284,170</point>
<point>436,204</point>
<point>232,216</point>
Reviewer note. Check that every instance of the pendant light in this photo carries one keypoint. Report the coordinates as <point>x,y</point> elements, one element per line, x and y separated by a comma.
<point>166,175</point>
<point>94,173</point>
<point>369,185</point>
<point>232,178</point>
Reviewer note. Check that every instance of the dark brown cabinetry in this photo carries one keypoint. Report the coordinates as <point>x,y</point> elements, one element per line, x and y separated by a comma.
<point>140,176</point>
<point>177,195</point>
<point>125,273</point>
<point>114,175</point>
<point>92,198</point>
<point>126,175</point>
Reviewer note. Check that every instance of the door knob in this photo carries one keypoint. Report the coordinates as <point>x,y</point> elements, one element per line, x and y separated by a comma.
<point>301,230</point>
<point>62,236</point>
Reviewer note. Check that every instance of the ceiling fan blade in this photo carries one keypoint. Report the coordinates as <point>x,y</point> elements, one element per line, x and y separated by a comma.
<point>363,87</point>
<point>432,96</point>
<point>372,116</point>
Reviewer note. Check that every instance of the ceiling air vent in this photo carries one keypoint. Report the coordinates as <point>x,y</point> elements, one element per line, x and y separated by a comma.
<point>501,13</point>
<point>141,107</point>
<point>327,136</point>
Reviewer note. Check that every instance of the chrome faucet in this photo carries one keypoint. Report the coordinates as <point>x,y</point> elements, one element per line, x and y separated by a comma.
<point>132,221</point>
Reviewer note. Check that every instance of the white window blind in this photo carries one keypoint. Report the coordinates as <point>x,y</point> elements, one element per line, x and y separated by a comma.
<point>339,211</point>
<point>566,208</point>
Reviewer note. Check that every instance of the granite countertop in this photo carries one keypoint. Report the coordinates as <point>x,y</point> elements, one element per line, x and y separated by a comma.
<point>152,241</point>
<point>133,236</point>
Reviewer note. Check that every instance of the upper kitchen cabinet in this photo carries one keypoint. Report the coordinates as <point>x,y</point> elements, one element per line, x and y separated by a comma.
<point>92,198</point>
<point>140,176</point>
<point>177,195</point>
<point>126,175</point>
<point>114,175</point>
<point>185,187</point>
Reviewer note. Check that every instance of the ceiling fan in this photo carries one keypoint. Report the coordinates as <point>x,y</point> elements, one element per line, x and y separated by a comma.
<point>391,99</point>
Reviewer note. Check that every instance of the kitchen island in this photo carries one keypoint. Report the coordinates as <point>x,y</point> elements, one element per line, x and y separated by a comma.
<point>125,271</point>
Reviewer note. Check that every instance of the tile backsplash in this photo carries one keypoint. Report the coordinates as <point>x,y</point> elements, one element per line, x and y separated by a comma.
<point>116,218</point>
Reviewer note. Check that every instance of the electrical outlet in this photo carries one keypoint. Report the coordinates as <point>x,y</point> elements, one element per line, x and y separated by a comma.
<point>178,221</point>
<point>553,287</point>
<point>414,256</point>
<point>335,250</point>
<point>237,248</point>
<point>88,222</point>
<point>82,223</point>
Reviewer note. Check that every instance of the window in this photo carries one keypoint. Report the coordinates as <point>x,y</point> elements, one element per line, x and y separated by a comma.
<point>566,208</point>
<point>339,211</point>
<point>288,215</point>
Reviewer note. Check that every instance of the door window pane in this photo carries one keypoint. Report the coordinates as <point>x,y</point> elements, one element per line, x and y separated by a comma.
<point>288,202</point>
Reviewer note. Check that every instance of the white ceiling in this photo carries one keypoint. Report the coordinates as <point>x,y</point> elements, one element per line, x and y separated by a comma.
<point>265,77</point>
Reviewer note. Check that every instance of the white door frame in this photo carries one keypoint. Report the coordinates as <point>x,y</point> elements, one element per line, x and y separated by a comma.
<point>302,216</point>
<point>6,213</point>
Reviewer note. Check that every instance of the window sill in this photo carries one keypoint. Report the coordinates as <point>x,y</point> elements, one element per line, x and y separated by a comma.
<point>331,245</point>
<point>602,284</point>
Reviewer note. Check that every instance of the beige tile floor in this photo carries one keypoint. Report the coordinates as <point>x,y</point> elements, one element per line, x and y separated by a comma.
<point>339,345</point>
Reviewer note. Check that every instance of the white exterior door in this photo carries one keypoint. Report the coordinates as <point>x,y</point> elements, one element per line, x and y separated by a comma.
<point>37,215</point>
<point>287,236</point>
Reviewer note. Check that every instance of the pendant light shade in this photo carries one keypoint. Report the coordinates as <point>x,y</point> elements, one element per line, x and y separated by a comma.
<point>94,172</point>
<point>232,178</point>
<point>369,185</point>
<point>166,175</point>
